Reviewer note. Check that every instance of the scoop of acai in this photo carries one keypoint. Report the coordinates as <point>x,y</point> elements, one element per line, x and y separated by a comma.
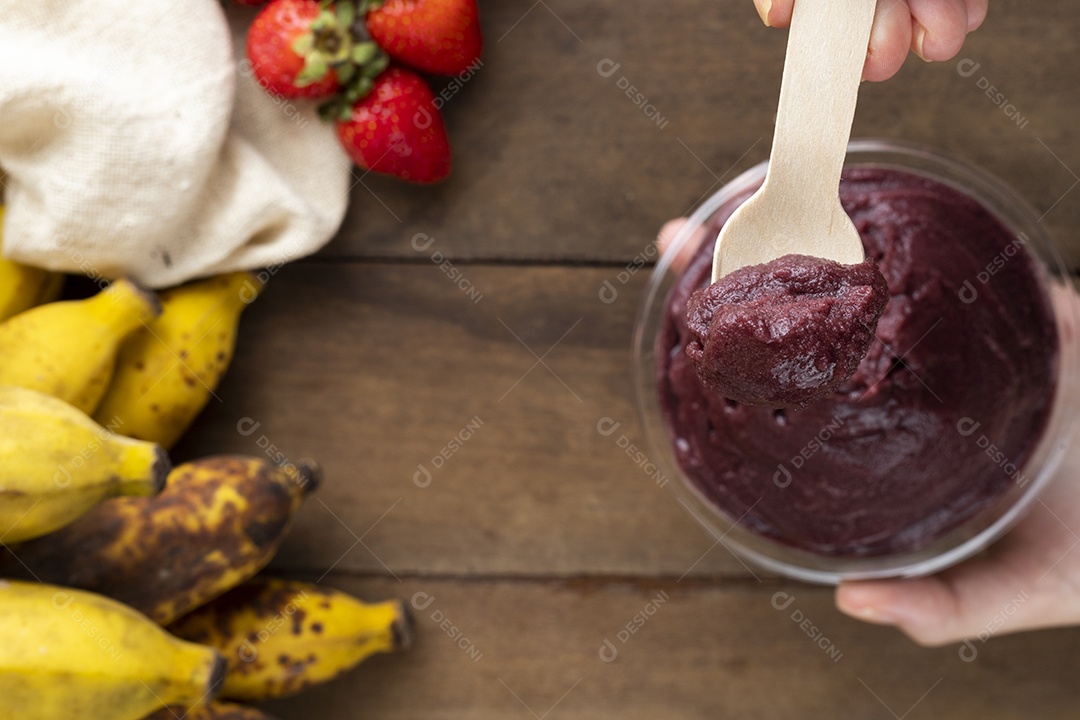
<point>787,332</point>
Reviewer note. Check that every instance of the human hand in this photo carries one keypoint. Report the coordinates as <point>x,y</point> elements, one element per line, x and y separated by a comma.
<point>1027,580</point>
<point>932,29</point>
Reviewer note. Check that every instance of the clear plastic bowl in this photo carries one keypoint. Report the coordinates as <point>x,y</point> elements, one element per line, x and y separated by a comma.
<point>964,540</point>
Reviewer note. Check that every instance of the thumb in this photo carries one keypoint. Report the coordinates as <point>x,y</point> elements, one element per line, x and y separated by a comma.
<point>978,599</point>
<point>926,609</point>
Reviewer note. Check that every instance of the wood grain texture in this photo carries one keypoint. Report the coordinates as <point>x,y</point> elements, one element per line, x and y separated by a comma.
<point>520,650</point>
<point>554,161</point>
<point>374,369</point>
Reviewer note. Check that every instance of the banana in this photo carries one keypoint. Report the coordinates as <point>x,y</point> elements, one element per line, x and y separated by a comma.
<point>22,287</point>
<point>68,349</point>
<point>80,656</point>
<point>213,711</point>
<point>56,464</point>
<point>279,637</point>
<point>167,371</point>
<point>217,523</point>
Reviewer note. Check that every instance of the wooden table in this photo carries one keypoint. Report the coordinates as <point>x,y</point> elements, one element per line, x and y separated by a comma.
<point>536,541</point>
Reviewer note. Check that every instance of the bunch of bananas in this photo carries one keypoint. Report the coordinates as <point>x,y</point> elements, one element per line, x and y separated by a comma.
<point>130,586</point>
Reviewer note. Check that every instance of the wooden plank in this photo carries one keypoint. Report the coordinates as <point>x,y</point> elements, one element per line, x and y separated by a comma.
<point>375,369</point>
<point>555,161</point>
<point>520,650</point>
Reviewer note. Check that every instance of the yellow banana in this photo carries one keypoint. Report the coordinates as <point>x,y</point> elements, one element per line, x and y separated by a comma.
<point>56,464</point>
<point>76,655</point>
<point>22,287</point>
<point>68,349</point>
<point>279,637</point>
<point>217,523</point>
<point>213,711</point>
<point>167,371</point>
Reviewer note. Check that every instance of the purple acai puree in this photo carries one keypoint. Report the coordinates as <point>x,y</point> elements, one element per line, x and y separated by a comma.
<point>899,454</point>
<point>785,333</point>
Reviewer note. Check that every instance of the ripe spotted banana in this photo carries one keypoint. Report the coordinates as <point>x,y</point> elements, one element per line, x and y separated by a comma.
<point>68,349</point>
<point>76,655</point>
<point>213,711</point>
<point>23,287</point>
<point>279,637</point>
<point>217,523</point>
<point>56,464</point>
<point>167,371</point>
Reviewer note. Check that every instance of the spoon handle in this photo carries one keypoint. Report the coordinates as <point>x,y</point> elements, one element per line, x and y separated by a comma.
<point>823,66</point>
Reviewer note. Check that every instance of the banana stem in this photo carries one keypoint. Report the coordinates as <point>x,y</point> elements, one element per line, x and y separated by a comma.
<point>124,306</point>
<point>201,673</point>
<point>144,468</point>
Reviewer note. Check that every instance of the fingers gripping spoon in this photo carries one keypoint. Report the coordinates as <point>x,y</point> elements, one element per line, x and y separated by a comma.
<point>797,209</point>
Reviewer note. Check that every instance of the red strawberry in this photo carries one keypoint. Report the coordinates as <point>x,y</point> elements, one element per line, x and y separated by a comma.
<point>305,49</point>
<point>397,129</point>
<point>437,36</point>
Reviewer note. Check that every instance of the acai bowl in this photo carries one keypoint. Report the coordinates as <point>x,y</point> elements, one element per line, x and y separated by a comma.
<point>954,421</point>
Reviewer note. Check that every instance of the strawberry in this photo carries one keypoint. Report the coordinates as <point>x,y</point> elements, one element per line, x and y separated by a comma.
<point>307,49</point>
<point>396,129</point>
<point>436,36</point>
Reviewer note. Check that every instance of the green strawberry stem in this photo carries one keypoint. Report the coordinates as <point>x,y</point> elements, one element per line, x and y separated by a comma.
<point>356,87</point>
<point>338,39</point>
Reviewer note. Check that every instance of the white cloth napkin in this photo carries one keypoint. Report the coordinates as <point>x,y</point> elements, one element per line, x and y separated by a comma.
<point>136,142</point>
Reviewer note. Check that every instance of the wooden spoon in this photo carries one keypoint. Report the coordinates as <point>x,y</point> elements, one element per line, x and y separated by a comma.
<point>797,209</point>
